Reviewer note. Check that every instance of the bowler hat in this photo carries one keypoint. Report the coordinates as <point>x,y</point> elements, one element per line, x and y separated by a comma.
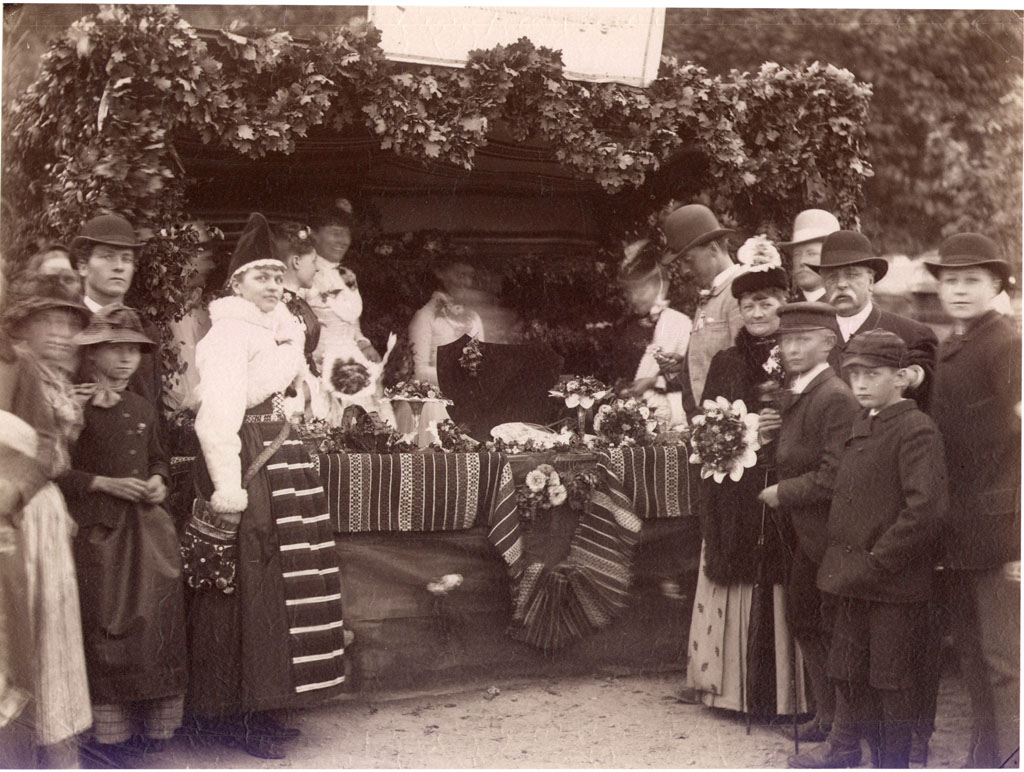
<point>850,248</point>
<point>690,226</point>
<point>108,229</point>
<point>36,292</point>
<point>256,247</point>
<point>970,250</point>
<point>115,323</point>
<point>809,315</point>
<point>876,348</point>
<point>812,225</point>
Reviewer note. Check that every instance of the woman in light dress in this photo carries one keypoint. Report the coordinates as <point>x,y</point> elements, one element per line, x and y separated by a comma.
<point>39,417</point>
<point>443,320</point>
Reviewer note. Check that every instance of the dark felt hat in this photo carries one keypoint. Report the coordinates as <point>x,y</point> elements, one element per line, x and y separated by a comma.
<point>812,315</point>
<point>876,348</point>
<point>36,292</point>
<point>690,226</point>
<point>108,229</point>
<point>115,323</point>
<point>970,250</point>
<point>256,247</point>
<point>850,248</point>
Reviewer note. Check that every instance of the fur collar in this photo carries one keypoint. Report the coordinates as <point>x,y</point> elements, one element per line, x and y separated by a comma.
<point>235,307</point>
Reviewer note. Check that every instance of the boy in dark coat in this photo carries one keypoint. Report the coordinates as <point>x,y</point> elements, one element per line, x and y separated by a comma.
<point>814,427</point>
<point>976,405</point>
<point>126,550</point>
<point>890,494</point>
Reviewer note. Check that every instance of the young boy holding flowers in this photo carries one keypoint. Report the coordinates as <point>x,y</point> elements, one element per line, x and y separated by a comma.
<point>884,522</point>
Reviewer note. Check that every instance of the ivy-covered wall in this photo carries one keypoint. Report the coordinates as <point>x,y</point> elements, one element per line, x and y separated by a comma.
<point>96,130</point>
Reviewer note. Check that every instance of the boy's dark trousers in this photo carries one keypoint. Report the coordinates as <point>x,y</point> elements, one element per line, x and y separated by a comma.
<point>809,613</point>
<point>873,660</point>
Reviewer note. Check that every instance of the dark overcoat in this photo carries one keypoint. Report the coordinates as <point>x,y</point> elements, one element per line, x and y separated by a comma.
<point>128,560</point>
<point>815,427</point>
<point>921,348</point>
<point>731,513</point>
<point>889,499</point>
<point>975,404</point>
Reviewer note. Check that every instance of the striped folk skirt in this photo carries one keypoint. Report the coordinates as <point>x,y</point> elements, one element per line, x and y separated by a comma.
<point>280,637</point>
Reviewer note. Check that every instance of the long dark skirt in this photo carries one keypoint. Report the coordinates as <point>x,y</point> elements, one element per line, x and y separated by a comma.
<point>278,640</point>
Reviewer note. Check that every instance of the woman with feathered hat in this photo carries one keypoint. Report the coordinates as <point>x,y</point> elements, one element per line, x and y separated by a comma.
<point>271,633</point>
<point>735,663</point>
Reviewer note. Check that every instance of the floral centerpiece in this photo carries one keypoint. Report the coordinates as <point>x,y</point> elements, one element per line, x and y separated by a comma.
<point>724,439</point>
<point>581,392</point>
<point>367,434</point>
<point>625,423</point>
<point>542,491</point>
<point>416,391</point>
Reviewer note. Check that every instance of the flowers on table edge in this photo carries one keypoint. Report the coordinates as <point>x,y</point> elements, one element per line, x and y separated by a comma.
<point>542,491</point>
<point>625,423</point>
<point>416,391</point>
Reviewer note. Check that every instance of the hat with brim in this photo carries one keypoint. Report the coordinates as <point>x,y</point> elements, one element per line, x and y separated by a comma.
<point>690,226</point>
<point>759,279</point>
<point>876,348</point>
<point>844,248</point>
<point>256,248</point>
<point>107,229</point>
<point>970,250</point>
<point>805,316</point>
<point>114,324</point>
<point>812,225</point>
<point>32,294</point>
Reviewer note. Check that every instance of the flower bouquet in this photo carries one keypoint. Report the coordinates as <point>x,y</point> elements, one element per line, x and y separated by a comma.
<point>581,392</point>
<point>449,437</point>
<point>471,357</point>
<point>349,378</point>
<point>724,439</point>
<point>542,491</point>
<point>625,423</point>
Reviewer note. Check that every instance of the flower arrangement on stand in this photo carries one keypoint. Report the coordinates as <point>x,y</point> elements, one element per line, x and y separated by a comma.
<point>581,392</point>
<point>542,491</point>
<point>416,393</point>
<point>724,439</point>
<point>625,423</point>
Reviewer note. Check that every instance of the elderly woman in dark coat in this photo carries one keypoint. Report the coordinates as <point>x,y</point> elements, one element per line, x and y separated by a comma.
<point>726,669</point>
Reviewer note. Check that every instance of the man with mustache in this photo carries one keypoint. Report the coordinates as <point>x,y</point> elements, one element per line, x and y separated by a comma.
<point>106,253</point>
<point>849,270</point>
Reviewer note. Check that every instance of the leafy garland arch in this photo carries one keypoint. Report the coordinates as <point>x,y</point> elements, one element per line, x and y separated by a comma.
<point>96,130</point>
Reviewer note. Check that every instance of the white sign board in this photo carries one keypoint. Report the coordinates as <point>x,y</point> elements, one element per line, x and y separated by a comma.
<point>597,44</point>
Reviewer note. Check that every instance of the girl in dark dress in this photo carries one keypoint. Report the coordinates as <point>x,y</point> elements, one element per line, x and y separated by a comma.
<point>126,549</point>
<point>724,663</point>
<point>275,638</point>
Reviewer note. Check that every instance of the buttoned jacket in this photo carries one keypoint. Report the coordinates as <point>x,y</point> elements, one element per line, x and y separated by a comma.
<point>887,507</point>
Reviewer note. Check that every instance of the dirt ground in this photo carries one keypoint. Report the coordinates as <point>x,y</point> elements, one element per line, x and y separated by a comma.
<point>602,720</point>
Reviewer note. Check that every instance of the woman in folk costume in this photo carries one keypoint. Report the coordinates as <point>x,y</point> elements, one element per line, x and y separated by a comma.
<point>40,417</point>
<point>273,633</point>
<point>443,320</point>
<point>741,657</point>
<point>646,287</point>
<point>127,550</point>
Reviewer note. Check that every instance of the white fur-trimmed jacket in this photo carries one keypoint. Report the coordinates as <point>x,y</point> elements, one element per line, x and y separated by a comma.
<point>246,357</point>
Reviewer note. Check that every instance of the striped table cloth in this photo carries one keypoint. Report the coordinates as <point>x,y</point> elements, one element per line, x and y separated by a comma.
<point>372,492</point>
